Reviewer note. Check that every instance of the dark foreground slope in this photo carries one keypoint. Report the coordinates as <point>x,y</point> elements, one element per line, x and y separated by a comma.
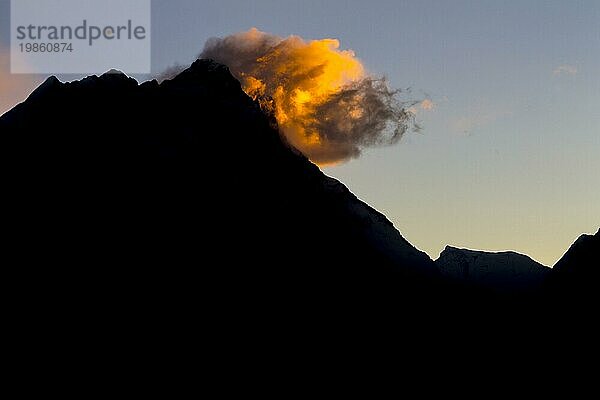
<point>185,189</point>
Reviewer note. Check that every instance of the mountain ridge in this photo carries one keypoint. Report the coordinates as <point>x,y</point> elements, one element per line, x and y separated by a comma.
<point>505,271</point>
<point>169,175</point>
<point>108,137</point>
<point>497,252</point>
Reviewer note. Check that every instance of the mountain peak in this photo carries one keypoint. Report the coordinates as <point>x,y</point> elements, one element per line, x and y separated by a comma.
<point>586,237</point>
<point>49,84</point>
<point>203,72</point>
<point>581,253</point>
<point>454,249</point>
<point>505,271</point>
<point>114,71</point>
<point>112,78</point>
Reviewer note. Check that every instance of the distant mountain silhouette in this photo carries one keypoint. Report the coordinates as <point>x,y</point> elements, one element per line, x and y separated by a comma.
<point>507,271</point>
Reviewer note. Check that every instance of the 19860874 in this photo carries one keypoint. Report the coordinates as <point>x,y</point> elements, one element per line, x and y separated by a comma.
<point>45,47</point>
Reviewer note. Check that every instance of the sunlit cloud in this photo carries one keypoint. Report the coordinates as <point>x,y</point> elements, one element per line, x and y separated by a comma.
<point>565,70</point>
<point>325,101</point>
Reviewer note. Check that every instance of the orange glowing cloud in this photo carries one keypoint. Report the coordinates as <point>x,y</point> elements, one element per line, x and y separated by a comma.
<point>325,102</point>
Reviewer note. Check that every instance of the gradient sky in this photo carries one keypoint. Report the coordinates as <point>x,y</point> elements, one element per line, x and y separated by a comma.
<point>509,157</point>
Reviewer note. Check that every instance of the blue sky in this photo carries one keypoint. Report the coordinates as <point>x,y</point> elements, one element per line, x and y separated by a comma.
<point>509,155</point>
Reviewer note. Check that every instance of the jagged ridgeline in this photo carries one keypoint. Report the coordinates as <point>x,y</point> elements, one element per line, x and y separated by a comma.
<point>185,188</point>
<point>189,181</point>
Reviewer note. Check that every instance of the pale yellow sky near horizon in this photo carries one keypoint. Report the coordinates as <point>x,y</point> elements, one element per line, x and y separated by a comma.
<point>484,209</point>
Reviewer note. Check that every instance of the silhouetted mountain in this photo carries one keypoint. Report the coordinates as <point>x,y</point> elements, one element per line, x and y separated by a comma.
<point>576,275</point>
<point>507,271</point>
<point>174,213</point>
<point>188,184</point>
